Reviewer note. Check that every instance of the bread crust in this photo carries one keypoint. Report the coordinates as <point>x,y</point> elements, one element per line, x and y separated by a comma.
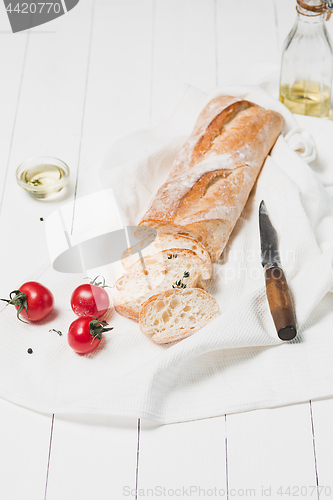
<point>125,311</point>
<point>212,177</point>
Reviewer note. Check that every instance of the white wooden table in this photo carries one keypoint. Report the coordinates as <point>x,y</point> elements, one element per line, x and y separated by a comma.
<point>67,89</point>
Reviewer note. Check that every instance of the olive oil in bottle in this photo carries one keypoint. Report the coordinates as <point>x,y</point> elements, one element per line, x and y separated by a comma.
<point>306,98</point>
<point>307,61</point>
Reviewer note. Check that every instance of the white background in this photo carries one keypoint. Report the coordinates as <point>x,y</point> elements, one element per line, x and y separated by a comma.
<point>68,89</point>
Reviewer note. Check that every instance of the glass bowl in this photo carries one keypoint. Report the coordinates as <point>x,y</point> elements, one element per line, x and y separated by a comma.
<point>43,176</point>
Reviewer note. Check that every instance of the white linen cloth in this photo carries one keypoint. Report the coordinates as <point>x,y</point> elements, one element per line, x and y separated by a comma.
<point>235,363</point>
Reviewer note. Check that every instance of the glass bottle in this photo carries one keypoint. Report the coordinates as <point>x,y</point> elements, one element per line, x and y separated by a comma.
<point>307,61</point>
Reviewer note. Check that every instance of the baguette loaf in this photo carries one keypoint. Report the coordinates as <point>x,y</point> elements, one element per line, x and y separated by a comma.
<point>156,274</point>
<point>212,177</point>
<point>176,314</point>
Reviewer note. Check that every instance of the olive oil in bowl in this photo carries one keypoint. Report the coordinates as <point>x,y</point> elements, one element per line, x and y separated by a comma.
<point>43,177</point>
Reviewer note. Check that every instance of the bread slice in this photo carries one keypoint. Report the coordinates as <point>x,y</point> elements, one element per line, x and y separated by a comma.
<point>176,314</point>
<point>165,242</point>
<point>156,274</point>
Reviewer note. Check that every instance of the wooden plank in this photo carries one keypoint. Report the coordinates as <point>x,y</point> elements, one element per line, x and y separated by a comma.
<point>48,122</point>
<point>183,51</point>
<point>321,410</point>
<point>13,51</point>
<point>43,110</point>
<point>186,459</point>
<point>246,36</point>
<point>322,414</point>
<point>102,451</point>
<point>92,457</point>
<point>38,101</point>
<point>40,115</point>
<point>24,442</point>
<point>118,84</point>
<point>269,451</point>
<point>175,458</point>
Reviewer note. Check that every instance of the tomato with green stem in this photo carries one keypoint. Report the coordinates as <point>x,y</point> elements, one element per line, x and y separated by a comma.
<point>32,300</point>
<point>85,334</point>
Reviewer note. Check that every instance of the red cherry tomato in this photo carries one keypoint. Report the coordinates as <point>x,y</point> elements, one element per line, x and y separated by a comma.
<point>33,301</point>
<point>85,334</point>
<point>90,300</point>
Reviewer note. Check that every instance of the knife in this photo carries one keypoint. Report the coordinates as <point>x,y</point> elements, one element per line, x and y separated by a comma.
<point>277,290</point>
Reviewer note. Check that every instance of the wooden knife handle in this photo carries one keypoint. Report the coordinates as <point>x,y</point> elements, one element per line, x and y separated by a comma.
<point>280,303</point>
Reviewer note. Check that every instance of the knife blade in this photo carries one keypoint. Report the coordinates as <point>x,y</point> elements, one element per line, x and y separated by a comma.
<point>277,290</point>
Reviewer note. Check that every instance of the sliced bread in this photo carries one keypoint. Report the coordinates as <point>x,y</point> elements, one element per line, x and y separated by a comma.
<point>176,314</point>
<point>165,242</point>
<point>179,268</point>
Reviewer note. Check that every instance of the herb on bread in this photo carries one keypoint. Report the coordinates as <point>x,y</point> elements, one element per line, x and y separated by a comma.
<point>179,283</point>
